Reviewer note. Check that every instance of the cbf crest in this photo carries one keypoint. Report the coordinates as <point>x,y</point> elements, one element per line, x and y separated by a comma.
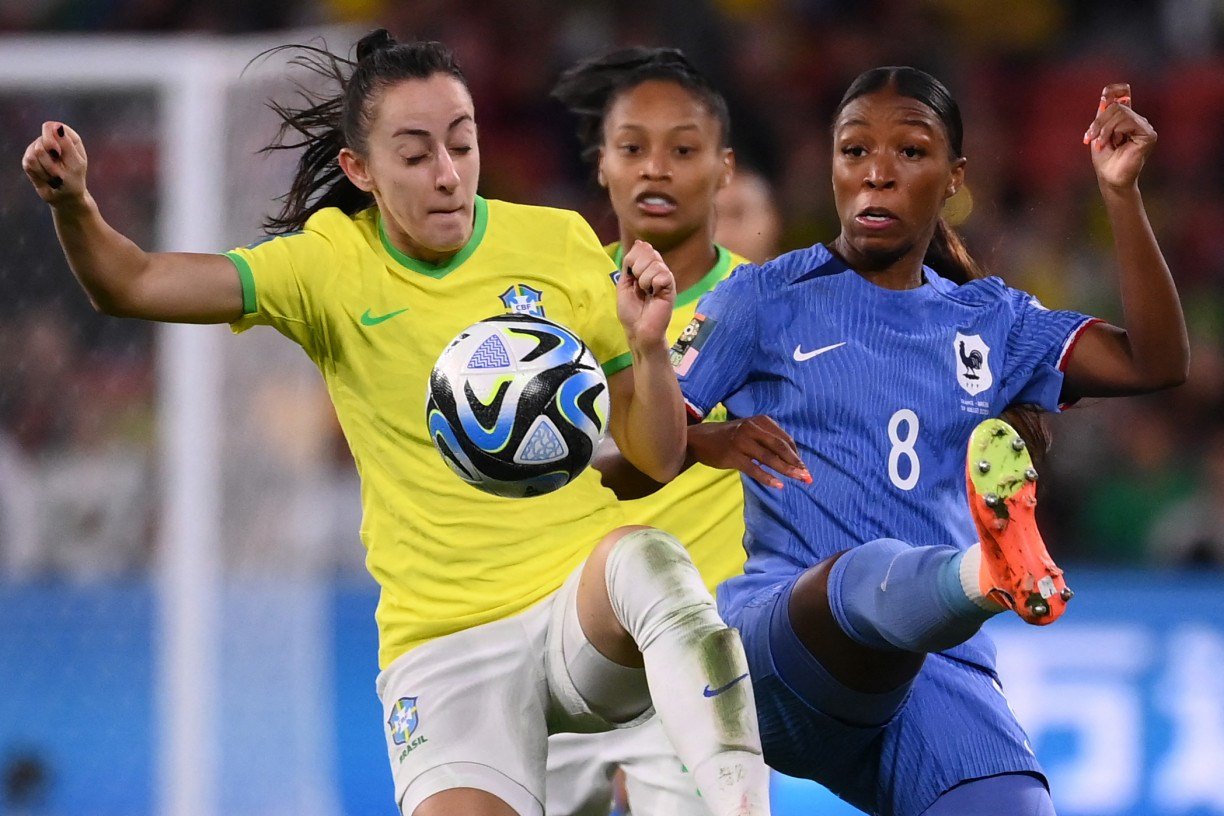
<point>972,363</point>
<point>523,299</point>
<point>403,720</point>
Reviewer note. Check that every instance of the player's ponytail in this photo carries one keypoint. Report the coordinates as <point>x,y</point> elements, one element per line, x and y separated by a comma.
<point>376,40</point>
<point>589,88</point>
<point>949,257</point>
<point>329,121</point>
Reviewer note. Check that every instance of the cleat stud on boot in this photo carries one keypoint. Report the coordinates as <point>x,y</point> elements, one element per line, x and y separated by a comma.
<point>1067,594</point>
<point>983,466</point>
<point>992,500</point>
<point>1017,444</point>
<point>1031,474</point>
<point>1038,605</point>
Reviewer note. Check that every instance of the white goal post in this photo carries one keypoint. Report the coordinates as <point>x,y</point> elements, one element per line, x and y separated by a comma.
<point>190,76</point>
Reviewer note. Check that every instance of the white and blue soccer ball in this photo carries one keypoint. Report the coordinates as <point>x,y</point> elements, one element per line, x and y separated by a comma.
<point>517,405</point>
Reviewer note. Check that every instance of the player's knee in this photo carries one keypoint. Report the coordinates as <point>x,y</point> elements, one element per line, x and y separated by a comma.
<point>638,551</point>
<point>599,555</point>
<point>613,538</point>
<point>652,583</point>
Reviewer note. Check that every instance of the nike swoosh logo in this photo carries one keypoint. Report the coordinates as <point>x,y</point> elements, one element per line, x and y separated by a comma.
<point>368,319</point>
<point>707,691</point>
<point>803,356</point>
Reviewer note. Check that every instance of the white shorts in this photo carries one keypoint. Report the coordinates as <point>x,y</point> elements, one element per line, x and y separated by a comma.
<point>581,767</point>
<point>474,709</point>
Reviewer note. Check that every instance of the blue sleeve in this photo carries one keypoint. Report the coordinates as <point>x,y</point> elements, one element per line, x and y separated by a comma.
<point>713,355</point>
<point>1037,345</point>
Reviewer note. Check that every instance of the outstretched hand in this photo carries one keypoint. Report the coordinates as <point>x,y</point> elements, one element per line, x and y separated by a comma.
<point>745,445</point>
<point>55,163</point>
<point>645,295</point>
<point>1119,139</point>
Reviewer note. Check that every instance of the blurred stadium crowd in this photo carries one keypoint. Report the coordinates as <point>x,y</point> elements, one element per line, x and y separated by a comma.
<point>1137,482</point>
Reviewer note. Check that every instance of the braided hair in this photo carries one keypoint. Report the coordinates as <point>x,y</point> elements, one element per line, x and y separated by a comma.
<point>589,88</point>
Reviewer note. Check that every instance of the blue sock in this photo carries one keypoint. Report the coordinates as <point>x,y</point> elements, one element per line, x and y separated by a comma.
<point>888,595</point>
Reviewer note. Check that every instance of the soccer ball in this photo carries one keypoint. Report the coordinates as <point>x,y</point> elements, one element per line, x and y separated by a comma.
<point>517,405</point>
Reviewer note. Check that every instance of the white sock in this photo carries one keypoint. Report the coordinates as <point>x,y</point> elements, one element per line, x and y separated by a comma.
<point>696,670</point>
<point>971,580</point>
<point>741,770</point>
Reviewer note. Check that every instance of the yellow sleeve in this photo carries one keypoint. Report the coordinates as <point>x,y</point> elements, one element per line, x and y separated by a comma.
<point>281,279</point>
<point>592,270</point>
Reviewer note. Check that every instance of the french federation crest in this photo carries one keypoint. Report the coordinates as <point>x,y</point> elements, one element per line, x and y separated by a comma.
<point>522,299</point>
<point>403,720</point>
<point>972,363</point>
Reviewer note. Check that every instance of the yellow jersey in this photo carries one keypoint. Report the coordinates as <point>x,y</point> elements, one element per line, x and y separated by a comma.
<point>703,506</point>
<point>446,556</point>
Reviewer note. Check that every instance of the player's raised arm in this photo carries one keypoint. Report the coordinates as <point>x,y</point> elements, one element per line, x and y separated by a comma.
<point>648,418</point>
<point>1152,351</point>
<point>119,277</point>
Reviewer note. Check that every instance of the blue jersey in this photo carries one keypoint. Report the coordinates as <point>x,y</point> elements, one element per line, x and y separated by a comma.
<point>880,390</point>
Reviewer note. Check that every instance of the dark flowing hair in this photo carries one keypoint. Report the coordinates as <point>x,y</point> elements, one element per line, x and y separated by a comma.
<point>589,88</point>
<point>947,253</point>
<point>328,122</point>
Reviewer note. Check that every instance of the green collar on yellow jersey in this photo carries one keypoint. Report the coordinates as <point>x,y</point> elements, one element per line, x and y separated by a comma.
<point>480,220</point>
<point>708,281</point>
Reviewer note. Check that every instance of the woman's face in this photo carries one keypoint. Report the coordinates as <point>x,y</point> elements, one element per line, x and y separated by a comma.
<point>748,220</point>
<point>423,165</point>
<point>893,169</point>
<point>662,161</point>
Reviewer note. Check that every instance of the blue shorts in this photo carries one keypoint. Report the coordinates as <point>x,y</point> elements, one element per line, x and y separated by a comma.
<point>954,726</point>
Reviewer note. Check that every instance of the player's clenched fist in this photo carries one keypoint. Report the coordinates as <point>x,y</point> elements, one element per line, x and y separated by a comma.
<point>645,293</point>
<point>1121,139</point>
<point>55,163</point>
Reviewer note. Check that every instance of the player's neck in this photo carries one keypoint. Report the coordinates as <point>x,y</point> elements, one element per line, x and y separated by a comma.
<point>690,260</point>
<point>887,272</point>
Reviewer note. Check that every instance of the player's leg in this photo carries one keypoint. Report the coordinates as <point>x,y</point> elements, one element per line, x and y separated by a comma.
<point>871,613</point>
<point>955,748</point>
<point>1019,794</point>
<point>886,754</point>
<point>638,608</point>
<point>463,801</point>
<point>465,719</point>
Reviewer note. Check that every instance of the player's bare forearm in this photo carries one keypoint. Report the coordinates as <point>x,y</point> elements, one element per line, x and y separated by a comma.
<point>1152,350</point>
<point>1155,325</point>
<point>119,277</point>
<point>651,430</point>
<point>103,261</point>
<point>123,280</point>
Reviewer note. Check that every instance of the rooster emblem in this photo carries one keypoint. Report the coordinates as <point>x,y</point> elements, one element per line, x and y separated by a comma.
<point>972,363</point>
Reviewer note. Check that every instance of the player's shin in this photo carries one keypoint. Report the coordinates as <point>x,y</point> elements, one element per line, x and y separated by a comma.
<point>695,667</point>
<point>888,595</point>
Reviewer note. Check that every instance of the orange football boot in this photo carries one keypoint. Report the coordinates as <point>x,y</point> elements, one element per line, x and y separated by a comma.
<point>1017,571</point>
